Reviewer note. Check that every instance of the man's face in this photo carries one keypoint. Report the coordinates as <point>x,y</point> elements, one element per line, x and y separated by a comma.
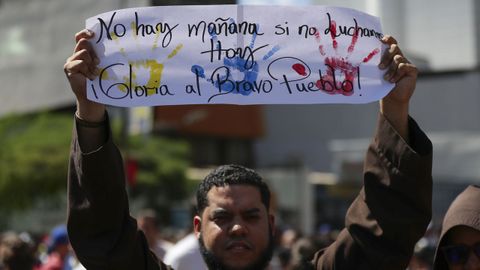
<point>463,235</point>
<point>235,228</point>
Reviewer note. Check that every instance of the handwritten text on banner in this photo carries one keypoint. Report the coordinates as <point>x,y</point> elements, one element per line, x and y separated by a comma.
<point>236,55</point>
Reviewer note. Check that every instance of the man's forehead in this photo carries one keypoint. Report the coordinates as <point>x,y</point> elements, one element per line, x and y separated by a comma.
<point>463,235</point>
<point>234,194</point>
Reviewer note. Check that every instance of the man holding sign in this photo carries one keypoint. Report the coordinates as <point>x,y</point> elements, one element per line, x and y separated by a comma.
<point>233,224</point>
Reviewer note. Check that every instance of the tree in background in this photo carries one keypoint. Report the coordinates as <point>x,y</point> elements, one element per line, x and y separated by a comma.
<point>34,164</point>
<point>160,179</point>
<point>34,158</point>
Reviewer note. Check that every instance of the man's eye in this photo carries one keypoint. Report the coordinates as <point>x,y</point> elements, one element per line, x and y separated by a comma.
<point>253,217</point>
<point>220,218</point>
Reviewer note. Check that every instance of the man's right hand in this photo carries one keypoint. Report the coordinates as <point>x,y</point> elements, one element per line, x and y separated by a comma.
<point>82,64</point>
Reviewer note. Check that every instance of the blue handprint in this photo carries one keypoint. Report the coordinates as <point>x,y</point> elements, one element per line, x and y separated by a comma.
<point>242,62</point>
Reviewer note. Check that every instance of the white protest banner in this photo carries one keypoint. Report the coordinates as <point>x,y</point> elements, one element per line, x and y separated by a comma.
<point>233,54</point>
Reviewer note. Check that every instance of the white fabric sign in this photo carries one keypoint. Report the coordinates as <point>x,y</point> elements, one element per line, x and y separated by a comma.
<point>234,54</point>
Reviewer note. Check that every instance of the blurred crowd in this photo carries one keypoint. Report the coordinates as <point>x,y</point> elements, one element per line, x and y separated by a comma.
<point>52,251</point>
<point>294,250</point>
<point>24,251</point>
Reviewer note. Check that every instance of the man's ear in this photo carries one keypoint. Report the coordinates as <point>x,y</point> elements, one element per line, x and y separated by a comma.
<point>197,225</point>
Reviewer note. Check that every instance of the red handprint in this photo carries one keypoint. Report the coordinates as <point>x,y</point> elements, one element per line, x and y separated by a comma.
<point>329,83</point>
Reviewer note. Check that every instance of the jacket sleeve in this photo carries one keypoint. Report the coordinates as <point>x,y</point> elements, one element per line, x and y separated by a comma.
<point>101,230</point>
<point>393,209</point>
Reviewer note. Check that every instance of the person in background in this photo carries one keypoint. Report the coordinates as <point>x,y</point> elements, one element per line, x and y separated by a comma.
<point>283,253</point>
<point>16,253</point>
<point>148,222</point>
<point>185,254</point>
<point>422,258</point>
<point>58,250</point>
<point>303,251</point>
<point>459,244</point>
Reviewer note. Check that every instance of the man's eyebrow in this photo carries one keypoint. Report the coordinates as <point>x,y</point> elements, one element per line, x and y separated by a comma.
<point>219,211</point>
<point>252,211</point>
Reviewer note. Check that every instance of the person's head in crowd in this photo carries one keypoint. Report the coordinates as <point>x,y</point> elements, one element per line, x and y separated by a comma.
<point>58,241</point>
<point>285,241</point>
<point>289,237</point>
<point>284,257</point>
<point>303,251</point>
<point>16,253</point>
<point>234,224</point>
<point>423,253</point>
<point>148,222</point>
<point>459,244</point>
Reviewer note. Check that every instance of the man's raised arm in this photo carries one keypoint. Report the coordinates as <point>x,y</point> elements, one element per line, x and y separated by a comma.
<point>100,228</point>
<point>393,209</point>
<point>400,71</point>
<point>78,67</point>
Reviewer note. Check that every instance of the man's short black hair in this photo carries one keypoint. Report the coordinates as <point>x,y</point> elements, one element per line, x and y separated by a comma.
<point>231,175</point>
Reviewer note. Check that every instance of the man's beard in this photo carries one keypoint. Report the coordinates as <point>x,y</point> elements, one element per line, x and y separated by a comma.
<point>261,263</point>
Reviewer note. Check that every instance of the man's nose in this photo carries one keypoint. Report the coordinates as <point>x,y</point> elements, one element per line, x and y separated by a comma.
<point>238,229</point>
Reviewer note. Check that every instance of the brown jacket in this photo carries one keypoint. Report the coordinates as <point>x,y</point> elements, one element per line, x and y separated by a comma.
<point>464,210</point>
<point>383,224</point>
